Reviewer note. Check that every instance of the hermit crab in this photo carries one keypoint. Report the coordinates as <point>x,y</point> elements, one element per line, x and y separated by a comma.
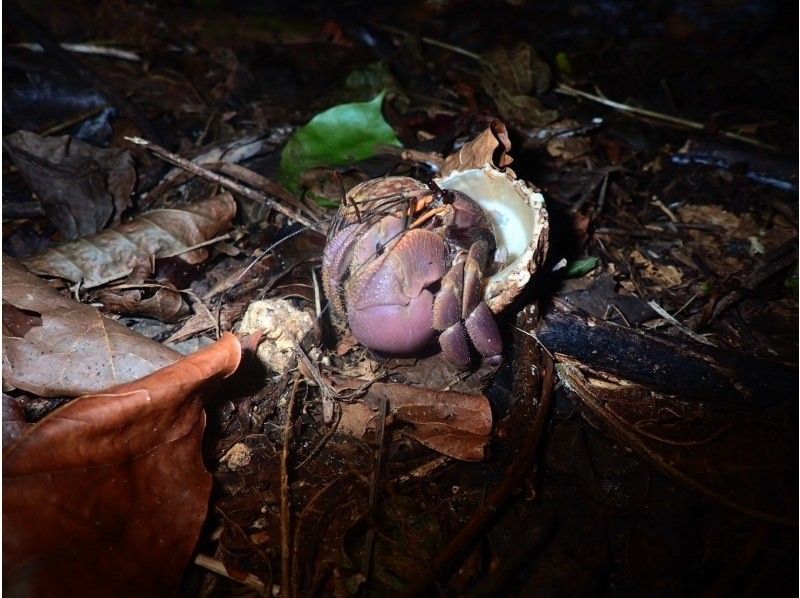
<point>407,262</point>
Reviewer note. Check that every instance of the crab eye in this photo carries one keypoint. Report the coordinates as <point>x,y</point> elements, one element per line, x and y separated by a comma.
<point>379,248</point>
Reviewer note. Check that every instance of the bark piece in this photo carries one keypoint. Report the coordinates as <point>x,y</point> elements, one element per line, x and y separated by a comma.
<point>666,364</point>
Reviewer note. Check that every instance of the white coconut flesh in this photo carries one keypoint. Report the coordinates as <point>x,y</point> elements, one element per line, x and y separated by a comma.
<point>520,225</point>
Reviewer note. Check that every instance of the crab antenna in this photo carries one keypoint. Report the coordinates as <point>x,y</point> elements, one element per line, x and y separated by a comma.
<point>338,178</point>
<point>407,212</point>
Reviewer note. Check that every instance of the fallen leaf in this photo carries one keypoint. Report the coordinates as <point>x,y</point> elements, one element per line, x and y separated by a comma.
<point>340,135</point>
<point>665,276</point>
<point>201,321</point>
<point>509,77</point>
<point>139,295</point>
<point>346,344</point>
<point>490,147</point>
<point>55,346</point>
<point>356,419</point>
<point>568,148</point>
<point>577,268</point>
<point>82,188</point>
<point>107,495</point>
<point>14,423</point>
<point>113,253</point>
<point>455,424</point>
<point>165,304</point>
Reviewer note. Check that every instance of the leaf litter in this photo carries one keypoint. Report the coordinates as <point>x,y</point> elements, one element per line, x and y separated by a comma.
<point>645,224</point>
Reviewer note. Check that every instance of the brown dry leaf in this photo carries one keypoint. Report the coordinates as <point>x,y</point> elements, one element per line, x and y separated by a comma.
<point>138,295</point>
<point>346,344</point>
<point>14,422</point>
<point>82,188</point>
<point>490,147</point>
<point>107,495</point>
<point>563,143</point>
<point>166,304</point>
<point>201,321</point>
<point>54,346</point>
<point>356,419</point>
<point>663,276</point>
<point>510,77</point>
<point>744,459</point>
<point>113,253</point>
<point>453,423</point>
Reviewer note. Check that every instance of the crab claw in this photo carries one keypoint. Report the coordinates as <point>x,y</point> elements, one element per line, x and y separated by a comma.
<point>388,305</point>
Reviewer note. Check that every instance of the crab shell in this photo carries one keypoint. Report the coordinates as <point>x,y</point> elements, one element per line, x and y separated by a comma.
<point>519,219</point>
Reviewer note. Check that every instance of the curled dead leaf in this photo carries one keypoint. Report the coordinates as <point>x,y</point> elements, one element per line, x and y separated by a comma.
<point>453,423</point>
<point>165,304</point>
<point>490,147</point>
<point>107,495</point>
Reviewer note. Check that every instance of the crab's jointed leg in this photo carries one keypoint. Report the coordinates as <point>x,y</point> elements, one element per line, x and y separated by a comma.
<point>459,311</point>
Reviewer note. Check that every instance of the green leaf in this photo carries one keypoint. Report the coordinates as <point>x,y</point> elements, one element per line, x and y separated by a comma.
<point>340,135</point>
<point>563,64</point>
<point>581,267</point>
<point>325,202</point>
<point>791,283</point>
<point>366,82</point>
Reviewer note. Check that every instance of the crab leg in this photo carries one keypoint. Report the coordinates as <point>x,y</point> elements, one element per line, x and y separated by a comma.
<point>459,311</point>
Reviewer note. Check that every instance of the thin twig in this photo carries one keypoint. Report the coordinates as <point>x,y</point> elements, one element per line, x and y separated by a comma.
<point>660,205</point>
<point>178,252</point>
<point>72,120</point>
<point>287,589</point>
<point>91,49</point>
<point>374,495</point>
<point>218,567</point>
<point>225,182</point>
<point>425,470</point>
<point>571,91</point>
<point>680,327</point>
<point>532,334</point>
<point>435,42</point>
<point>659,116</point>
<point>619,313</point>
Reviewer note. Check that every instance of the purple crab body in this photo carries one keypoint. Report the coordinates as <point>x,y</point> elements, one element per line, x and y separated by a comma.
<point>399,283</point>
